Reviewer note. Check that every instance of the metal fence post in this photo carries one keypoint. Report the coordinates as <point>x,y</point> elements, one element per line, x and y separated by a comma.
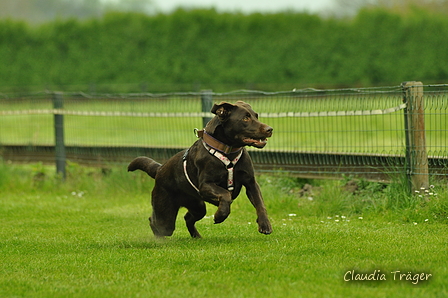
<point>207,104</point>
<point>414,117</point>
<point>58,103</point>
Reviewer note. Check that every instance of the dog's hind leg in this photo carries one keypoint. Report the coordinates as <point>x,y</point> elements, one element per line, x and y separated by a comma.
<point>161,228</point>
<point>164,213</point>
<point>194,214</point>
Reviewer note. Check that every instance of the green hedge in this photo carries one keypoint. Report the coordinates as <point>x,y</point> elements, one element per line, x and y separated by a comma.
<point>206,47</point>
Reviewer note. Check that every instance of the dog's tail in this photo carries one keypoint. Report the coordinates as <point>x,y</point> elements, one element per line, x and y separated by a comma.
<point>145,164</point>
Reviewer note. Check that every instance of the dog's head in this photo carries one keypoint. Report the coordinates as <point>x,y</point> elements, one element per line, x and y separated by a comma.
<point>238,125</point>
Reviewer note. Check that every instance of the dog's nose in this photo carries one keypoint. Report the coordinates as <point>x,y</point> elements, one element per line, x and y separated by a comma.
<point>269,129</point>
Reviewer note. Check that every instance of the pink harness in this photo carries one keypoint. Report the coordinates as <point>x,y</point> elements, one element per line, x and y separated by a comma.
<point>227,162</point>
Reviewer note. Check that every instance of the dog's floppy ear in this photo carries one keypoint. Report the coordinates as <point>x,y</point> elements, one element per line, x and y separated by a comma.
<point>223,110</point>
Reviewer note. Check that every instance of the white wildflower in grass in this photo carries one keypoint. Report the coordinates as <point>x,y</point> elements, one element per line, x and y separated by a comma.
<point>336,220</point>
<point>415,223</point>
<point>292,214</point>
<point>360,217</point>
<point>426,220</point>
<point>73,193</point>
<point>329,217</point>
<point>427,192</point>
<point>310,198</point>
<point>343,217</point>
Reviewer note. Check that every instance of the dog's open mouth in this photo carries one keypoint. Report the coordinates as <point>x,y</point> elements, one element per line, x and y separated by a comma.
<point>258,143</point>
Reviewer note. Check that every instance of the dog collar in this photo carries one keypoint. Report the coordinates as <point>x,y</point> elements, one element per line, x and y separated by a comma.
<point>215,144</point>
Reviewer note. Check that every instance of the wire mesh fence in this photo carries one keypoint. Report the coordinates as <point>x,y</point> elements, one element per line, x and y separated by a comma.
<point>356,131</point>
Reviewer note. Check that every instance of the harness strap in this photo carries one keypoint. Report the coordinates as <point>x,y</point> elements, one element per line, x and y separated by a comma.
<point>226,161</point>
<point>185,170</point>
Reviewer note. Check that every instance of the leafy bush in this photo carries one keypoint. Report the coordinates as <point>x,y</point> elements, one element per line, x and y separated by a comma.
<point>204,47</point>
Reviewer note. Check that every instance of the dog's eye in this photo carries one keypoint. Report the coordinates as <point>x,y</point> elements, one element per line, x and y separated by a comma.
<point>246,118</point>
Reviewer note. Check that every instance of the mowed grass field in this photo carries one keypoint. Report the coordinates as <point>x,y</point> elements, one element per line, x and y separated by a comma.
<point>89,237</point>
<point>377,134</point>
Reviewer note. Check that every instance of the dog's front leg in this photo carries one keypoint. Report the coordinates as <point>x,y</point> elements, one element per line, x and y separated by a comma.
<point>218,196</point>
<point>254,194</point>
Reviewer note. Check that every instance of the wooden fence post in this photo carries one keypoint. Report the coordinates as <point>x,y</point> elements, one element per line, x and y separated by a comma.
<point>414,117</point>
<point>58,103</point>
<point>207,104</point>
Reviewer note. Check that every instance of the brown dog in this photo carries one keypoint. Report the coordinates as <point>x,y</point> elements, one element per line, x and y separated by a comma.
<point>212,170</point>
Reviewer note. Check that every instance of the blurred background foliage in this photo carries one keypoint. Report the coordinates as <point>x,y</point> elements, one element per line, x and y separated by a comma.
<point>127,46</point>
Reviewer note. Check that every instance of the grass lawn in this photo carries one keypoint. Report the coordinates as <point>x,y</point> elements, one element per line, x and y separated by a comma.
<point>89,237</point>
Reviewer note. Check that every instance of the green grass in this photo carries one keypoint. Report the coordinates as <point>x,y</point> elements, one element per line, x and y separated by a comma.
<point>89,237</point>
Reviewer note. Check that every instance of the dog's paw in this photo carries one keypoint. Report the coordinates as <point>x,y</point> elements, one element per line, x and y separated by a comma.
<point>265,228</point>
<point>219,217</point>
<point>222,213</point>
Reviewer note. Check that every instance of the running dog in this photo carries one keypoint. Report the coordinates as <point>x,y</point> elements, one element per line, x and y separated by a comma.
<point>212,170</point>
